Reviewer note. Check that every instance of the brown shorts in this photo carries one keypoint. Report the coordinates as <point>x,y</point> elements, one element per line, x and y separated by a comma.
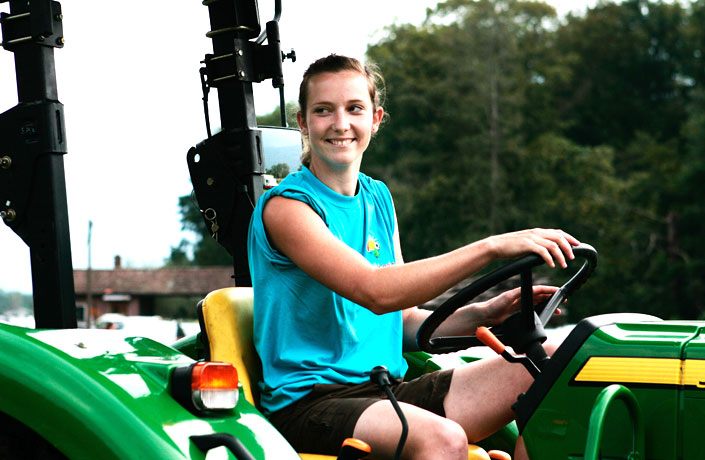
<point>320,421</point>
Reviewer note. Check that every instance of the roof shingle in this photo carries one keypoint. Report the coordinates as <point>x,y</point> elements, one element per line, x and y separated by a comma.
<point>162,281</point>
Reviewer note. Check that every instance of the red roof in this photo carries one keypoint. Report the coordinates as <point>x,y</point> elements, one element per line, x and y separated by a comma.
<point>162,281</point>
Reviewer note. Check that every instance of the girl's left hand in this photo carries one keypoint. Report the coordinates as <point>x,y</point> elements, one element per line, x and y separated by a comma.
<point>498,308</point>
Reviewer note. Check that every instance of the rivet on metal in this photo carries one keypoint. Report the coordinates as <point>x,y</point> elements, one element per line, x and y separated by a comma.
<point>5,162</point>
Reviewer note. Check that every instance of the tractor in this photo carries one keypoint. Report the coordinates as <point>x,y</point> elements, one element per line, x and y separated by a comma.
<point>623,386</point>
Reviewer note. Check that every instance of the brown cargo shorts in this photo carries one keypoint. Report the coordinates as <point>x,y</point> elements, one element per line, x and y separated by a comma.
<point>320,421</point>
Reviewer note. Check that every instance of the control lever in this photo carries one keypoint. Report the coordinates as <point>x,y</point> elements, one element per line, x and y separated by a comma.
<point>486,336</point>
<point>380,375</point>
<point>353,449</point>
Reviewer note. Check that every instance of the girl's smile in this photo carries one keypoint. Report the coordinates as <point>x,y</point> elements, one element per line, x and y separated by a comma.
<point>339,121</point>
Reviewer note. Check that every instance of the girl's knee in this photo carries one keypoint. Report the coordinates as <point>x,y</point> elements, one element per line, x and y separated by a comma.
<point>456,438</point>
<point>445,440</point>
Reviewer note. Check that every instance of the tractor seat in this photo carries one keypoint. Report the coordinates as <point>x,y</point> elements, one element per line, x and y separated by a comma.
<point>225,316</point>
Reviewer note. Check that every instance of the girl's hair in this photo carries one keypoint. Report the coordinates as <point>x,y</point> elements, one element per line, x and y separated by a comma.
<point>335,63</point>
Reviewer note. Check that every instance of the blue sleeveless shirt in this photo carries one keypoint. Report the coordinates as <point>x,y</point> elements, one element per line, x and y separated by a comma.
<point>305,333</point>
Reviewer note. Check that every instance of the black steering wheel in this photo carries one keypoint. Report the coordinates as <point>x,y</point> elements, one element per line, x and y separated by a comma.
<point>523,328</point>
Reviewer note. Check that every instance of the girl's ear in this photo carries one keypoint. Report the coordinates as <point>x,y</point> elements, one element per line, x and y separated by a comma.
<point>377,118</point>
<point>302,123</point>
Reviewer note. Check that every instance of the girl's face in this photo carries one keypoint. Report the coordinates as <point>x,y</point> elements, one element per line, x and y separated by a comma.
<point>339,120</point>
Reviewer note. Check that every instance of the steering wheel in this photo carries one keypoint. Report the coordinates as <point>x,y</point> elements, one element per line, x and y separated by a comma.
<point>519,330</point>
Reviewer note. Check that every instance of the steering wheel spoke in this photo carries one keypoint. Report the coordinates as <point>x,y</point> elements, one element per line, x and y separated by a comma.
<point>520,330</point>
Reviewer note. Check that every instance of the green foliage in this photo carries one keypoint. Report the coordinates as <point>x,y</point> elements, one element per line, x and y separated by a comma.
<point>279,170</point>
<point>626,58</point>
<point>204,250</point>
<point>179,255</point>
<point>456,127</point>
<point>274,118</point>
<point>502,118</point>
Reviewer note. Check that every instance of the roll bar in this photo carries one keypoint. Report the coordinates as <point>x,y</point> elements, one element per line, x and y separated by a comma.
<point>32,146</point>
<point>227,168</point>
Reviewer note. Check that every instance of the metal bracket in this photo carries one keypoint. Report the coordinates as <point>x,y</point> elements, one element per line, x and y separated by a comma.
<point>226,172</point>
<point>223,173</point>
<point>250,62</point>
<point>37,22</point>
<point>28,130</point>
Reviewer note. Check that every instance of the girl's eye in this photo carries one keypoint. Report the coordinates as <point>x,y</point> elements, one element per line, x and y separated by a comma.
<point>356,108</point>
<point>320,110</point>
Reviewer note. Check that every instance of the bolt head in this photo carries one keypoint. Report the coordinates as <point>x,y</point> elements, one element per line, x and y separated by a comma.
<point>8,216</point>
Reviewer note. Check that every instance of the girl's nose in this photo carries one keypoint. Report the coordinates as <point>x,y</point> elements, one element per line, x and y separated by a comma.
<point>340,121</point>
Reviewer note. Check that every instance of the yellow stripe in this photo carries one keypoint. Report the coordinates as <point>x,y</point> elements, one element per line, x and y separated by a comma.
<point>694,372</point>
<point>655,371</point>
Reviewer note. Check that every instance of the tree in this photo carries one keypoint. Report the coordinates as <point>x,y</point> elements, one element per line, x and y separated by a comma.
<point>624,62</point>
<point>274,118</point>
<point>460,112</point>
<point>206,251</point>
<point>279,170</point>
<point>503,119</point>
<point>690,220</point>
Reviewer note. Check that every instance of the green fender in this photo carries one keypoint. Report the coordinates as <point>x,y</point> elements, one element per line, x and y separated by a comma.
<point>101,394</point>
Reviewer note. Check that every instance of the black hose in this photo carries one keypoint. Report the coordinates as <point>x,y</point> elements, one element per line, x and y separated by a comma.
<point>380,376</point>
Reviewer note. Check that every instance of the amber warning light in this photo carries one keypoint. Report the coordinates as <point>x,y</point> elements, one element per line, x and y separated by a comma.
<point>205,385</point>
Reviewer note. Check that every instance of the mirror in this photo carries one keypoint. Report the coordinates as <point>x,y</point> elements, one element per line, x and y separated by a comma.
<point>282,153</point>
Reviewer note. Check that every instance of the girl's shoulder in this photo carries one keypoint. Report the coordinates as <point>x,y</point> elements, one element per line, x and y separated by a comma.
<point>298,181</point>
<point>374,186</point>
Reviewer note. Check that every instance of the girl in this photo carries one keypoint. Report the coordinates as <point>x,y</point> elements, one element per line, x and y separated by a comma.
<point>334,298</point>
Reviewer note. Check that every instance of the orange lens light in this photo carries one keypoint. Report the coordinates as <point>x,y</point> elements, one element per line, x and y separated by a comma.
<point>212,375</point>
<point>214,385</point>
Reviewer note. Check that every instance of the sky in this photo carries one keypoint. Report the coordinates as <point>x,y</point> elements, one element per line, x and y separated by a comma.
<point>128,78</point>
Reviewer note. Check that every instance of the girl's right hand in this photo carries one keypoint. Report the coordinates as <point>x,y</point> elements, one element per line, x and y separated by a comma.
<point>551,245</point>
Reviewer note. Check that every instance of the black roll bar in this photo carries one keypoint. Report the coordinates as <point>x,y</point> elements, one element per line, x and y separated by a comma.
<point>32,145</point>
<point>227,168</point>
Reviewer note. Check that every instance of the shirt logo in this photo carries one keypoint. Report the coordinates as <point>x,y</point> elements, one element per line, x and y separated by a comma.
<point>373,246</point>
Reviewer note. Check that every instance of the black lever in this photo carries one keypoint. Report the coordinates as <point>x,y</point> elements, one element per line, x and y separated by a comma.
<point>380,375</point>
<point>488,338</point>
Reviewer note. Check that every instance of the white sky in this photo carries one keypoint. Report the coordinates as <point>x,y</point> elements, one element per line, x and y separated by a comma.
<point>128,79</point>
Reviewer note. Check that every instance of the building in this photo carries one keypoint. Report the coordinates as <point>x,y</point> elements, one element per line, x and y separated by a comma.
<point>171,291</point>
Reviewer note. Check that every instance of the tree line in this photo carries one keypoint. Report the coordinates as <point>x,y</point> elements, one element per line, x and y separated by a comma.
<point>504,116</point>
<point>15,303</point>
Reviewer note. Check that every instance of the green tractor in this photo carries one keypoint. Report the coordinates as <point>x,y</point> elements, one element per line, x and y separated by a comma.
<point>619,387</point>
